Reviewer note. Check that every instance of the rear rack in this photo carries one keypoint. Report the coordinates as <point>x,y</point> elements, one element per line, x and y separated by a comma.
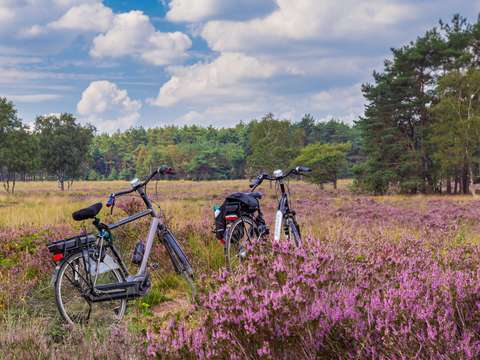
<point>72,244</point>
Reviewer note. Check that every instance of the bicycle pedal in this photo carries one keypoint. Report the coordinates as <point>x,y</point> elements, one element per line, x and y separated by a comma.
<point>154,266</point>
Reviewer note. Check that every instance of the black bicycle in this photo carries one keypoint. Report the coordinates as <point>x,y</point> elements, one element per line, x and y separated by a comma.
<point>238,223</point>
<point>91,280</point>
<point>285,215</point>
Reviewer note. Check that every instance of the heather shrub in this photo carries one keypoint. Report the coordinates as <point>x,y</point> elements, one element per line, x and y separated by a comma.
<point>25,260</point>
<point>353,294</point>
<point>41,340</point>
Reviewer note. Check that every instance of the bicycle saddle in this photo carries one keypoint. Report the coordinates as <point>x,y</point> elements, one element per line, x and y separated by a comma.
<point>87,213</point>
<point>256,194</point>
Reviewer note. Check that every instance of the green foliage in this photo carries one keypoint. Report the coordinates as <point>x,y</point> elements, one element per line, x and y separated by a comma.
<point>327,161</point>
<point>17,146</point>
<point>61,148</point>
<point>274,143</point>
<point>456,134</point>
<point>63,145</point>
<point>415,126</point>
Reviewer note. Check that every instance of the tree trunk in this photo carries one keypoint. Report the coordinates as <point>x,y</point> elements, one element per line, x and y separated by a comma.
<point>449,186</point>
<point>465,179</point>
<point>456,185</point>
<point>472,184</point>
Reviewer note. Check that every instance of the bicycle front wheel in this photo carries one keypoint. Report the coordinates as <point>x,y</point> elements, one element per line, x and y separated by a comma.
<point>180,262</point>
<point>238,236</point>
<point>293,231</point>
<point>72,287</point>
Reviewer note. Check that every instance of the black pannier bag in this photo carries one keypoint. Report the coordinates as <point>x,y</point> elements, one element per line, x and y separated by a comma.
<point>248,203</point>
<point>237,203</point>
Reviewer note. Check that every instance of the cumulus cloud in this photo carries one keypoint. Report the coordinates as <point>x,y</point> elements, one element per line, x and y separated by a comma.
<point>221,77</point>
<point>47,24</point>
<point>6,15</point>
<point>193,10</point>
<point>132,34</point>
<point>199,10</point>
<point>85,17</point>
<point>343,103</point>
<point>23,18</point>
<point>108,107</point>
<point>307,20</point>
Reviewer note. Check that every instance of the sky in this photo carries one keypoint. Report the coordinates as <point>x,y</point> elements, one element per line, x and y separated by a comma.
<point>118,64</point>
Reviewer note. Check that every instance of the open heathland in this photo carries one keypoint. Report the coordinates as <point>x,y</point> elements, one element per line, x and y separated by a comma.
<point>375,277</point>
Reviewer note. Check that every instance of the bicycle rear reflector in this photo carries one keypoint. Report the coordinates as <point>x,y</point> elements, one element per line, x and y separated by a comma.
<point>57,257</point>
<point>231,217</point>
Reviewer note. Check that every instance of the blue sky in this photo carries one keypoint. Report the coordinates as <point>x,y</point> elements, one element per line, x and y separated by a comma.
<point>118,63</point>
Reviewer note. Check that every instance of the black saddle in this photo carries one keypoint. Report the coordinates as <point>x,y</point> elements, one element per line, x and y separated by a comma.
<point>87,213</point>
<point>256,194</point>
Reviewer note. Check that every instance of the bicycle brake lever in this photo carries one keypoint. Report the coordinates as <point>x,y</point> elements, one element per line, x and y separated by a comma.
<point>111,202</point>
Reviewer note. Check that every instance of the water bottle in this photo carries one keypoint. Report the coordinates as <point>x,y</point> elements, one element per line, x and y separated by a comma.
<point>216,210</point>
<point>138,252</point>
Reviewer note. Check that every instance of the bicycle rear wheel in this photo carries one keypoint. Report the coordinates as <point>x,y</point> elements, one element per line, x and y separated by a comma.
<point>72,287</point>
<point>238,236</point>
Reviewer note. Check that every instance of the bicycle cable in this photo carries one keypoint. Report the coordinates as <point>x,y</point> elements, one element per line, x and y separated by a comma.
<point>157,204</point>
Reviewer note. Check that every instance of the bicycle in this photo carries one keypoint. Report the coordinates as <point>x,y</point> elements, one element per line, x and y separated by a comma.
<point>91,280</point>
<point>285,215</point>
<point>244,224</point>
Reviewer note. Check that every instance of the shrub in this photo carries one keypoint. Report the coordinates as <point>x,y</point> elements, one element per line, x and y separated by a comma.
<point>343,297</point>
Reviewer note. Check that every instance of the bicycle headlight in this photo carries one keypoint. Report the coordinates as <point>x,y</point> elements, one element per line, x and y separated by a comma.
<point>135,182</point>
<point>278,173</point>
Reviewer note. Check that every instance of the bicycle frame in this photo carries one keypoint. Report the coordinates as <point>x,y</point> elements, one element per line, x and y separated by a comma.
<point>283,210</point>
<point>155,227</point>
<point>133,285</point>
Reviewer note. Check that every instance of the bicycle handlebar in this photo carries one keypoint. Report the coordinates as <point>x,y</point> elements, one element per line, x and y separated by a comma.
<point>296,171</point>
<point>162,170</point>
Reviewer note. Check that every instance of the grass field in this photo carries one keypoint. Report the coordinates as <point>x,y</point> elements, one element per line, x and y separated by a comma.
<point>384,277</point>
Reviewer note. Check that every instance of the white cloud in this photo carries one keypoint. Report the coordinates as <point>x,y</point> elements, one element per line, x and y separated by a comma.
<point>6,15</point>
<point>108,107</point>
<point>33,98</point>
<point>307,20</point>
<point>27,18</point>
<point>222,77</point>
<point>132,34</point>
<point>192,10</point>
<point>345,103</point>
<point>199,10</point>
<point>86,17</point>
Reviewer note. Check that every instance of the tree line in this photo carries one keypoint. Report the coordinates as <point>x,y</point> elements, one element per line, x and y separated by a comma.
<point>59,147</point>
<point>421,128</point>
<point>420,133</point>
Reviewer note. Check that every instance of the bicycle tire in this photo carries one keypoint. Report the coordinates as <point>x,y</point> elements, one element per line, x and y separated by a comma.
<point>118,311</point>
<point>233,243</point>
<point>180,261</point>
<point>294,231</point>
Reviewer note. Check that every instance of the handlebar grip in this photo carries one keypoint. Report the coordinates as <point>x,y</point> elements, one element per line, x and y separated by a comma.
<point>111,200</point>
<point>166,170</point>
<point>258,180</point>
<point>303,169</point>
